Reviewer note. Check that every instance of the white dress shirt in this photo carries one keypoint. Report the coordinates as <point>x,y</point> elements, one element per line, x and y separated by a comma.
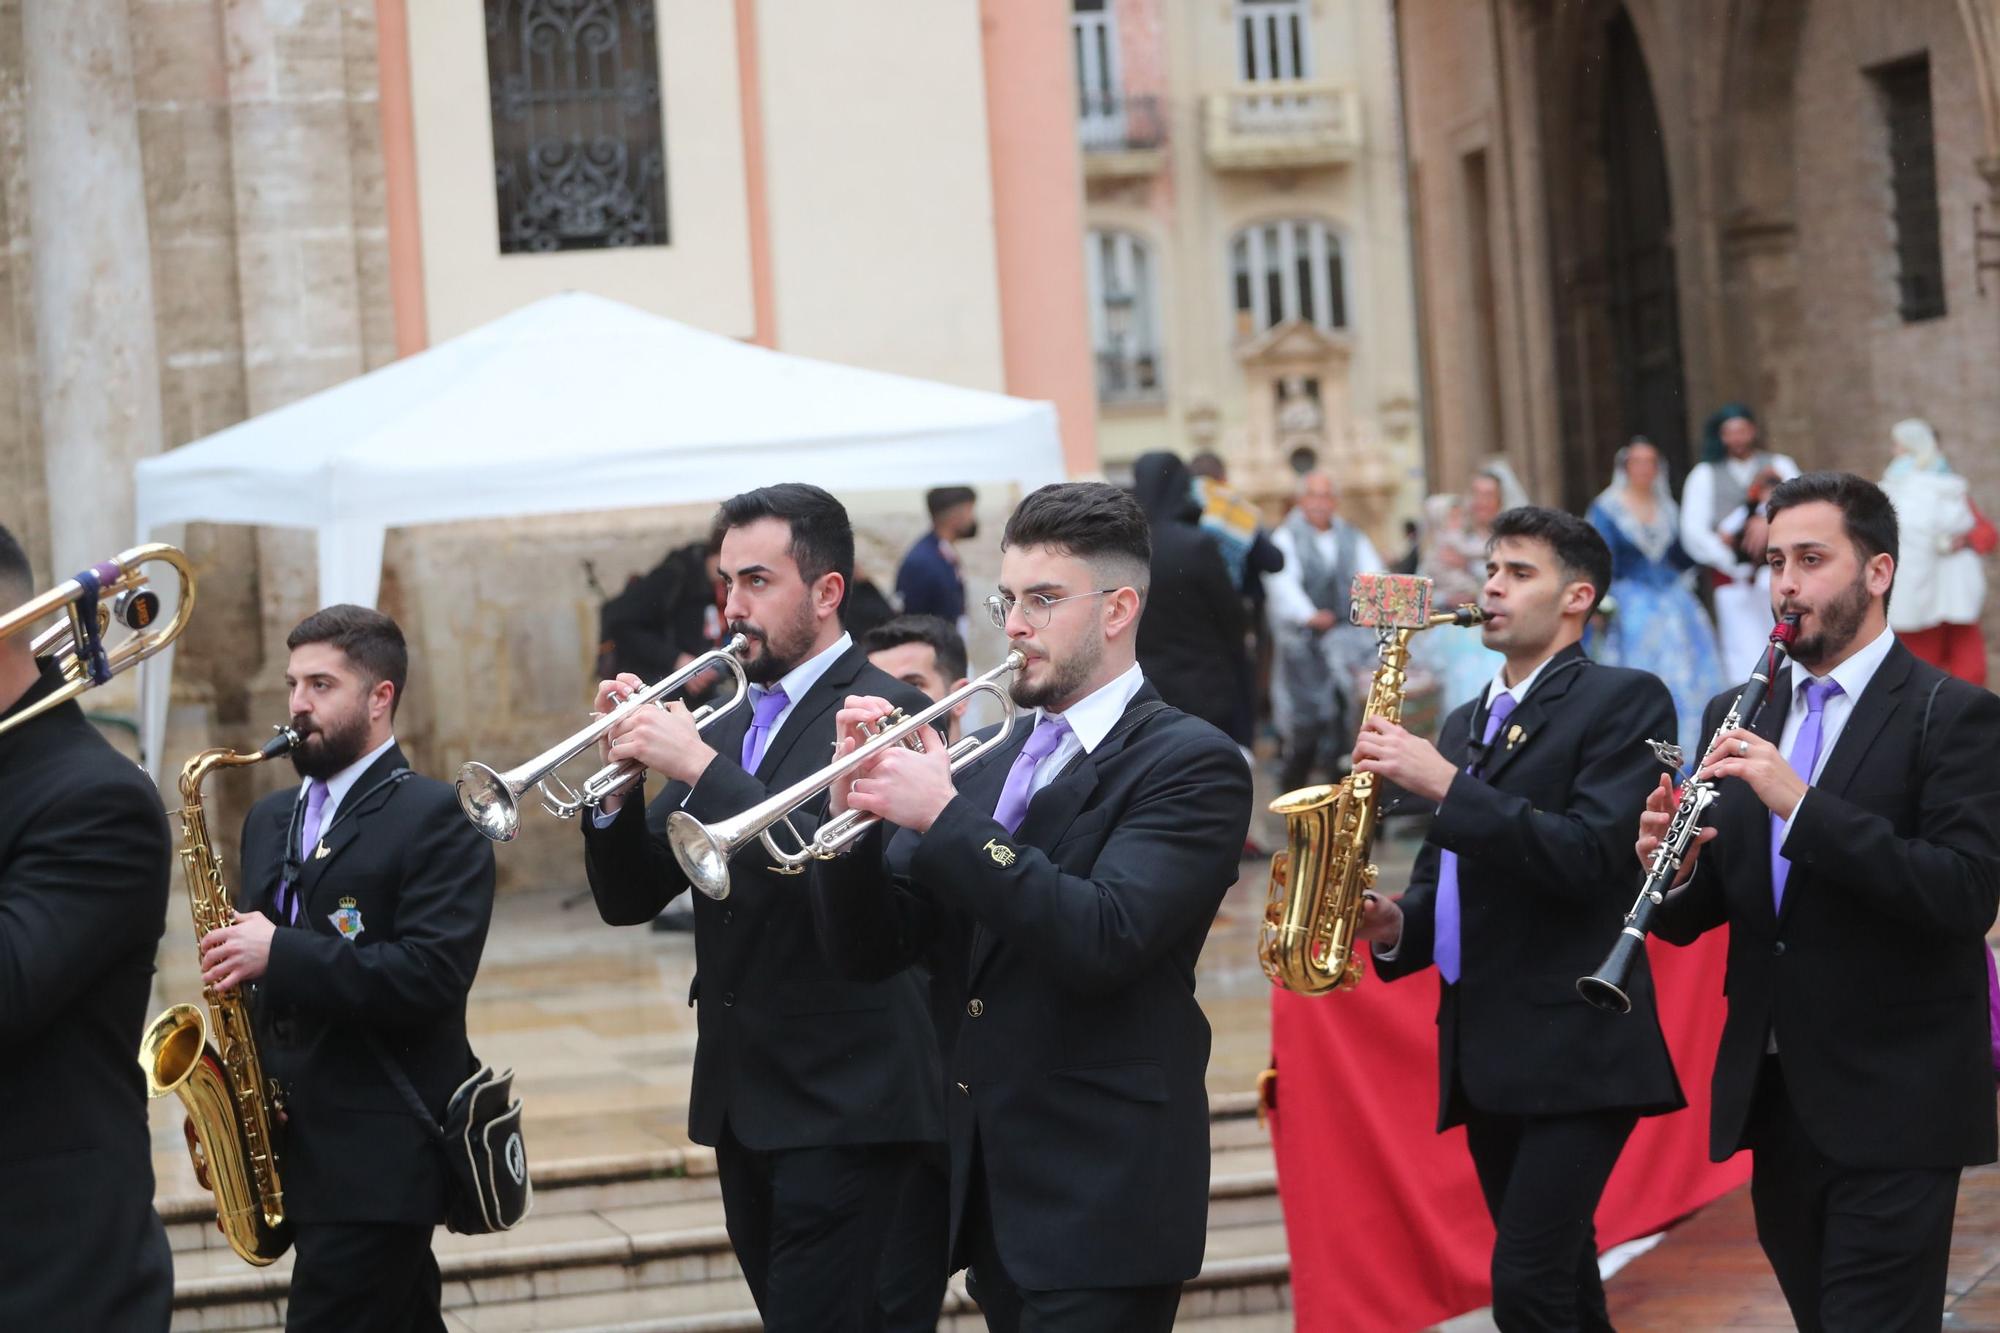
<point>1286,595</point>
<point>1853,675</point>
<point>1091,719</point>
<point>337,788</point>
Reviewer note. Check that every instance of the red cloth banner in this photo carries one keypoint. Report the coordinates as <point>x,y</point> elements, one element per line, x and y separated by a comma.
<point>1383,1215</point>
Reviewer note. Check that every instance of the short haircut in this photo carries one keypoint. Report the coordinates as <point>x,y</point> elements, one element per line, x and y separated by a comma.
<point>1094,521</point>
<point>17,576</point>
<point>372,641</point>
<point>939,633</point>
<point>1207,464</point>
<point>1865,512</point>
<point>1579,548</point>
<point>822,540</point>
<point>948,497</point>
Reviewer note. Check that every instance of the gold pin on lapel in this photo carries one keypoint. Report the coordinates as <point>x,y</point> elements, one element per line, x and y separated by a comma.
<point>1515,735</point>
<point>319,852</point>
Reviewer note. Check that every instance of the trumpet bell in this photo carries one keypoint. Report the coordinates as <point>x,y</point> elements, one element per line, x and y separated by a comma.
<point>487,800</point>
<point>701,854</point>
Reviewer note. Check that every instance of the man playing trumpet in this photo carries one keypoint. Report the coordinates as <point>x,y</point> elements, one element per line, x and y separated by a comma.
<point>1060,890</point>
<point>815,1091</point>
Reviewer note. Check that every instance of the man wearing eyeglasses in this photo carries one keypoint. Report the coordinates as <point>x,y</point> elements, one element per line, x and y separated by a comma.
<point>1060,890</point>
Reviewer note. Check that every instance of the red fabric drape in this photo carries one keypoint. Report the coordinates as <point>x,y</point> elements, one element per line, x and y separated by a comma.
<point>1386,1225</point>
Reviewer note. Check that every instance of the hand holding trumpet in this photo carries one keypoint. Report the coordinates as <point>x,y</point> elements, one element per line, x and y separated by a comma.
<point>901,784</point>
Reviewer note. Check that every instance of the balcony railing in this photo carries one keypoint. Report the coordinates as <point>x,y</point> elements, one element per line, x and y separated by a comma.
<point>1128,375</point>
<point>1121,134</point>
<point>1284,124</point>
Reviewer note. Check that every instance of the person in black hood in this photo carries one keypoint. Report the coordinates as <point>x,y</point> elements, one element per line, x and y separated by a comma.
<point>1191,643</point>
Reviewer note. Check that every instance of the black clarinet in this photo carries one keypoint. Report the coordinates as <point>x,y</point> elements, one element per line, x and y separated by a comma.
<point>1605,987</point>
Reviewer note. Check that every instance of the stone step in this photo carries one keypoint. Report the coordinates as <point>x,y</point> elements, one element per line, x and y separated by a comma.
<point>638,1242</point>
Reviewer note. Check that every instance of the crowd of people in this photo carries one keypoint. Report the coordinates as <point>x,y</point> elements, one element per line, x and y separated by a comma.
<point>966,1036</point>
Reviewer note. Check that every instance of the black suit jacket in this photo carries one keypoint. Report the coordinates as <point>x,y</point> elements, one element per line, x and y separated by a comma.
<point>421,876</point>
<point>84,858</point>
<point>1874,975</point>
<point>1545,877</point>
<point>789,1052</point>
<point>1063,964</point>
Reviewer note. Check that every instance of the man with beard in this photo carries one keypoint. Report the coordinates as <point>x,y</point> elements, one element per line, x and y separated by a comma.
<point>1520,884</point>
<point>363,911</point>
<point>1854,853</point>
<point>84,857</point>
<point>1060,891</point>
<point>815,1092</point>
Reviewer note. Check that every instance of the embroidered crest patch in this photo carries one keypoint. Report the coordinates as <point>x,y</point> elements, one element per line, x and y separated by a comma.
<point>347,919</point>
<point>1002,855</point>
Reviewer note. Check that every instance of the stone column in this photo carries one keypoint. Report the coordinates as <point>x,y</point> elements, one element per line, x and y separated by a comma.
<point>93,273</point>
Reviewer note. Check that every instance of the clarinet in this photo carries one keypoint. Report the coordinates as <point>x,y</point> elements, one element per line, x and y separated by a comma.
<point>1605,987</point>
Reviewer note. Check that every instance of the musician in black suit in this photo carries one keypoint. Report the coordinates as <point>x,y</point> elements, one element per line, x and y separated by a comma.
<point>364,906</point>
<point>1060,890</point>
<point>1856,861</point>
<point>815,1091</point>
<point>1518,890</point>
<point>84,858</point>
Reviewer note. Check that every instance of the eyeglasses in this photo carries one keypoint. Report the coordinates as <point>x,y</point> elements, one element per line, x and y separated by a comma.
<point>1035,608</point>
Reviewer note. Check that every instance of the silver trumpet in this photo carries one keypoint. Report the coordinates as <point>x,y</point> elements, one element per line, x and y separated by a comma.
<point>492,799</point>
<point>704,850</point>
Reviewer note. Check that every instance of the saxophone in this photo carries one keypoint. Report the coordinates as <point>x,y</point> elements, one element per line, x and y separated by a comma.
<point>230,1108</point>
<point>1306,941</point>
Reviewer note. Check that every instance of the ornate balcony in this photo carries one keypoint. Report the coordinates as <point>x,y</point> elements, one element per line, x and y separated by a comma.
<point>1282,125</point>
<point>1122,136</point>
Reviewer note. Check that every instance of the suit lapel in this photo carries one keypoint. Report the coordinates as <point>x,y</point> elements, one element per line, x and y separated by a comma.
<point>1527,720</point>
<point>1878,700</point>
<point>363,799</point>
<point>825,695</point>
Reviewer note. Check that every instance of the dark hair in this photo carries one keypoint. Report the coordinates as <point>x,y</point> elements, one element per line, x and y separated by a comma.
<point>1091,520</point>
<point>1207,464</point>
<point>1579,548</point>
<point>371,640</point>
<point>939,633</point>
<point>16,574</point>
<point>822,540</point>
<point>948,497</point>
<point>1865,512</point>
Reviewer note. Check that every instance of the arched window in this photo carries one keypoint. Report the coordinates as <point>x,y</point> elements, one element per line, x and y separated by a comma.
<point>1124,327</point>
<point>1285,271</point>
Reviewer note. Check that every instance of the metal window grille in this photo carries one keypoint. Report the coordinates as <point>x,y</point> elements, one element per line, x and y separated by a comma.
<point>579,152</point>
<point>1905,89</point>
<point>1287,270</point>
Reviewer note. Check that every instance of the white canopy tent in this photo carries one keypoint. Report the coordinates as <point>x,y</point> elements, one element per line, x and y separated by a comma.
<point>573,403</point>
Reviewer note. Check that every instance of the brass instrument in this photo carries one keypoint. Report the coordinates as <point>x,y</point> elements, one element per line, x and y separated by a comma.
<point>1306,941</point>
<point>704,850</point>
<point>230,1108</point>
<point>491,799</point>
<point>76,644</point>
<point>1608,986</point>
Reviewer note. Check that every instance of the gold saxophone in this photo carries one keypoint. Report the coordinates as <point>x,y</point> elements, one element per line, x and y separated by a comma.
<point>230,1108</point>
<point>1306,941</point>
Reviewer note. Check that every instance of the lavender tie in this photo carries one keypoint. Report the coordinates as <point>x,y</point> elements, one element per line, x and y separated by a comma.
<point>763,715</point>
<point>1048,734</point>
<point>1444,948</point>
<point>1804,758</point>
<point>288,901</point>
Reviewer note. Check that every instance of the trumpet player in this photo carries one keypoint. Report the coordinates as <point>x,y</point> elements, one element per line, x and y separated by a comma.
<point>1059,889</point>
<point>1518,885</point>
<point>1854,852</point>
<point>362,915</point>
<point>814,1091</point>
<point>84,863</point>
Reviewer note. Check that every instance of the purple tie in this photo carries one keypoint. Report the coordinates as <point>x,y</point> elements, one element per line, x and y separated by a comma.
<point>763,715</point>
<point>1048,734</point>
<point>288,901</point>
<point>1444,948</point>
<point>1804,758</point>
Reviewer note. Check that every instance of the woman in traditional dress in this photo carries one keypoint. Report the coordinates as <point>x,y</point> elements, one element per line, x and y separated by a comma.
<point>1659,625</point>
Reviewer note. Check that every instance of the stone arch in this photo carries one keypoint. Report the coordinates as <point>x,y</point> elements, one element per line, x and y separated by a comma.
<point>1591,57</point>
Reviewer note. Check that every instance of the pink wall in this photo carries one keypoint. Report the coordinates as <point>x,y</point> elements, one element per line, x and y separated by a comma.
<point>1038,215</point>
